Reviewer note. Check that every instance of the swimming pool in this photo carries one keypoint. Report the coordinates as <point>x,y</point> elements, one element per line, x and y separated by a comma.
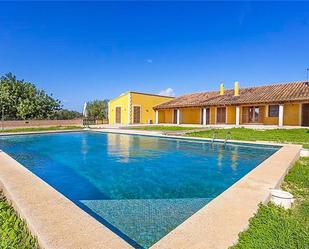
<point>140,187</point>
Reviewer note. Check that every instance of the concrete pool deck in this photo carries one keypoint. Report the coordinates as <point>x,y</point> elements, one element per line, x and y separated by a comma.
<point>59,223</point>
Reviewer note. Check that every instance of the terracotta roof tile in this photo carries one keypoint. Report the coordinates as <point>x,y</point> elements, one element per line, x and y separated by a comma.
<point>286,92</point>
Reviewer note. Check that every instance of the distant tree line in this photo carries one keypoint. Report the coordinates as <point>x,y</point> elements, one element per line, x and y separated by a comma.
<point>23,100</point>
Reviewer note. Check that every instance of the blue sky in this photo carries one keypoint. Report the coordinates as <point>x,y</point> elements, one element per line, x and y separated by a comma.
<point>81,51</point>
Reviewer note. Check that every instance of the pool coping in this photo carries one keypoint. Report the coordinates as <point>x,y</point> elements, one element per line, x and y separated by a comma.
<point>51,217</point>
<point>216,225</point>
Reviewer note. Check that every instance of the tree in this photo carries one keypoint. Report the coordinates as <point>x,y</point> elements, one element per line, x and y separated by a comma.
<point>97,109</point>
<point>22,100</point>
<point>68,114</point>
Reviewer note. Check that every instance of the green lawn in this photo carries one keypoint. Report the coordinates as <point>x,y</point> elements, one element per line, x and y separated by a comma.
<point>50,128</point>
<point>13,230</point>
<point>297,136</point>
<point>163,128</point>
<point>273,227</point>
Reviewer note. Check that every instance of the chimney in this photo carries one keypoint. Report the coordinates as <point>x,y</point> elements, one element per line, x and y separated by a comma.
<point>236,88</point>
<point>221,89</point>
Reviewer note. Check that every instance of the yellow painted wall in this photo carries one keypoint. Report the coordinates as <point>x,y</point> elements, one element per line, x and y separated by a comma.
<point>243,115</point>
<point>169,116</point>
<point>161,116</point>
<point>190,115</point>
<point>213,115</point>
<point>147,102</point>
<point>166,116</point>
<point>270,120</point>
<point>231,115</point>
<point>123,101</point>
<point>291,114</point>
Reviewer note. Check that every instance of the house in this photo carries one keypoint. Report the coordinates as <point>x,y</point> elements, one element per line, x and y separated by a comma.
<point>277,104</point>
<point>134,108</point>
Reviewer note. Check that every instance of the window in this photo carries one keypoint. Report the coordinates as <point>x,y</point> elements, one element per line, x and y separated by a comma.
<point>273,111</point>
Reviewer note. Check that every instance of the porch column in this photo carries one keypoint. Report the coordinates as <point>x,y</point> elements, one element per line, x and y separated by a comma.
<point>237,115</point>
<point>178,116</point>
<point>204,116</point>
<point>280,123</point>
<point>157,117</point>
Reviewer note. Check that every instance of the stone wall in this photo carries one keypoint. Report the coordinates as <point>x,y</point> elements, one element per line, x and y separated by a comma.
<point>11,124</point>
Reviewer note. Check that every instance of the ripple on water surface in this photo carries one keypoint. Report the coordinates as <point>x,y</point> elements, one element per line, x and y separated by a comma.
<point>140,187</point>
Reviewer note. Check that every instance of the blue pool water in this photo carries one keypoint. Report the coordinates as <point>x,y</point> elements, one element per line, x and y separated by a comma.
<point>140,187</point>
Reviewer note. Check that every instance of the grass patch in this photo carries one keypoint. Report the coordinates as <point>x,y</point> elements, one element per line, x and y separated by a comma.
<point>296,136</point>
<point>13,230</point>
<point>50,128</point>
<point>275,227</point>
<point>163,128</point>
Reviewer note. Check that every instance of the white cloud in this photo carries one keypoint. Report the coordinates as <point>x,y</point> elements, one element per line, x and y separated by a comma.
<point>167,92</point>
<point>149,61</point>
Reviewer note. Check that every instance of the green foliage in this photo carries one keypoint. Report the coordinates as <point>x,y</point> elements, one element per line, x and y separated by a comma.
<point>51,128</point>
<point>275,227</point>
<point>298,136</point>
<point>22,100</point>
<point>13,230</point>
<point>297,181</point>
<point>67,114</point>
<point>97,109</point>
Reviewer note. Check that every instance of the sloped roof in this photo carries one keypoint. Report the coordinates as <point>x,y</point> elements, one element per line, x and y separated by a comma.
<point>275,93</point>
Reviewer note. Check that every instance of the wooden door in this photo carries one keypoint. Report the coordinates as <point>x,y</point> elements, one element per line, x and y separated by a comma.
<point>136,114</point>
<point>207,116</point>
<point>118,115</point>
<point>221,115</point>
<point>175,117</point>
<point>305,115</point>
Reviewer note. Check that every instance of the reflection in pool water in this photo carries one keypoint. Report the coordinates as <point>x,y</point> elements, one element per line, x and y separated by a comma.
<point>140,187</point>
